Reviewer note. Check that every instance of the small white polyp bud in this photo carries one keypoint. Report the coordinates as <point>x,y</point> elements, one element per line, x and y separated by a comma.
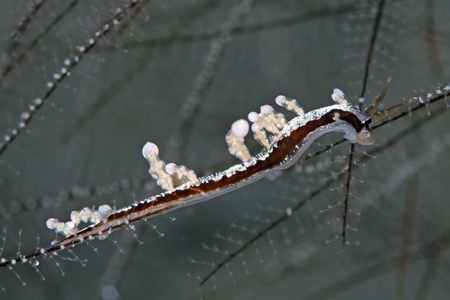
<point>105,210</point>
<point>256,127</point>
<point>170,168</point>
<point>85,214</point>
<point>95,217</point>
<point>240,128</point>
<point>149,148</point>
<point>290,104</point>
<point>289,211</point>
<point>179,174</point>
<point>339,97</point>
<point>253,117</point>
<point>70,225</point>
<point>150,152</point>
<point>235,139</point>
<point>280,100</point>
<point>260,135</point>
<point>75,217</point>
<point>266,110</point>
<point>51,223</point>
<point>337,94</point>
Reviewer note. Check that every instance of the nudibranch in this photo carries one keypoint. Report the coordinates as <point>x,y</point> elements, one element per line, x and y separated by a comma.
<point>283,144</point>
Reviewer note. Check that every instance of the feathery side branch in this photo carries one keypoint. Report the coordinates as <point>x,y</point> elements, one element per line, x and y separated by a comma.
<point>69,64</point>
